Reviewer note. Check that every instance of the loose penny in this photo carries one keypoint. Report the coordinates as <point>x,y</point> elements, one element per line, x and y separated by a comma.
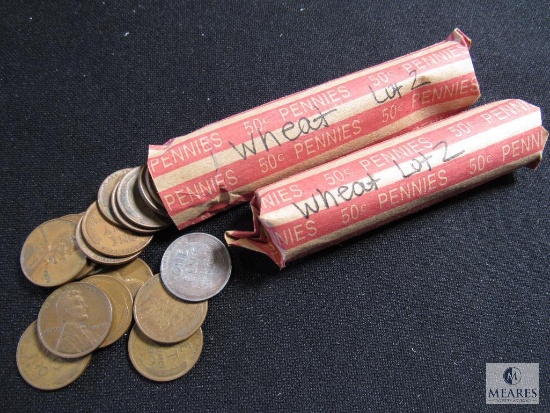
<point>74,320</point>
<point>195,267</point>
<point>160,362</point>
<point>162,317</point>
<point>50,256</point>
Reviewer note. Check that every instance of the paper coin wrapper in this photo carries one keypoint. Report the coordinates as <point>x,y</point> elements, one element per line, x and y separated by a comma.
<point>222,164</point>
<point>368,188</point>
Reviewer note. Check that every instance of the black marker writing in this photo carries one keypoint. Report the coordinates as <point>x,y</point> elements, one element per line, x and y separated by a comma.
<point>290,131</point>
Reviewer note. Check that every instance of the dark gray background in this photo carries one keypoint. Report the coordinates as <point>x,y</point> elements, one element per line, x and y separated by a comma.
<point>401,319</point>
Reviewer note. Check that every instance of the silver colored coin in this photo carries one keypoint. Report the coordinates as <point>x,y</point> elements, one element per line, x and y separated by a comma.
<point>133,207</point>
<point>104,194</point>
<point>195,267</point>
<point>150,184</point>
<point>147,197</point>
<point>123,221</point>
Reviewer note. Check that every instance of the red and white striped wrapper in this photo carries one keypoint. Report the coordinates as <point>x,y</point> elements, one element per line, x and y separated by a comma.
<point>368,188</point>
<point>222,164</point>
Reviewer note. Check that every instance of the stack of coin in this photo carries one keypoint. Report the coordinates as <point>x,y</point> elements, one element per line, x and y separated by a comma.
<point>166,340</point>
<point>128,199</point>
<point>76,319</point>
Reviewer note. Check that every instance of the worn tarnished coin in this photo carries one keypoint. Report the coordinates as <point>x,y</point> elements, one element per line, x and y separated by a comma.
<point>50,256</point>
<point>132,205</point>
<point>123,221</point>
<point>45,370</point>
<point>160,362</point>
<point>121,302</point>
<point>108,239</point>
<point>195,267</point>
<point>104,193</point>
<point>94,256</point>
<point>162,317</point>
<point>133,275</point>
<point>74,320</point>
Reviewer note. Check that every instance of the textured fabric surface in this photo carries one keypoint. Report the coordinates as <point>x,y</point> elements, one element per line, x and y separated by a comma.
<point>400,319</point>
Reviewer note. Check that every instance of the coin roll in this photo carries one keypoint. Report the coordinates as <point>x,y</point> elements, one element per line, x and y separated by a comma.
<point>222,164</point>
<point>364,190</point>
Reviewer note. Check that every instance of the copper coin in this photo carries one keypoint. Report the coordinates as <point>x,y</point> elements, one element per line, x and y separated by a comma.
<point>121,302</point>
<point>50,256</point>
<point>104,193</point>
<point>123,221</point>
<point>108,239</point>
<point>74,320</point>
<point>45,370</point>
<point>195,267</point>
<point>146,195</point>
<point>160,362</point>
<point>133,275</point>
<point>94,256</point>
<point>132,205</point>
<point>162,317</point>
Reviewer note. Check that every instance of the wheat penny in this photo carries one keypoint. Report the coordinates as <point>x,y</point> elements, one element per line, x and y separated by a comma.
<point>43,369</point>
<point>121,302</point>
<point>50,256</point>
<point>160,362</point>
<point>74,320</point>
<point>109,239</point>
<point>162,317</point>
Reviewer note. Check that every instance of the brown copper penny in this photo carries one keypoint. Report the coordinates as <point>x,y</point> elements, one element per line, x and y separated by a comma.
<point>94,256</point>
<point>133,275</point>
<point>160,362</point>
<point>121,302</point>
<point>108,239</point>
<point>162,317</point>
<point>45,370</point>
<point>104,193</point>
<point>50,256</point>
<point>74,320</point>
<point>195,267</point>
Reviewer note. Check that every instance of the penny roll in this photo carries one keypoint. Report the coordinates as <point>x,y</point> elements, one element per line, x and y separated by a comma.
<point>368,188</point>
<point>222,164</point>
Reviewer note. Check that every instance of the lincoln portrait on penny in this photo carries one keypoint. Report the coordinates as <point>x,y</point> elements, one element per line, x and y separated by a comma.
<point>75,336</point>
